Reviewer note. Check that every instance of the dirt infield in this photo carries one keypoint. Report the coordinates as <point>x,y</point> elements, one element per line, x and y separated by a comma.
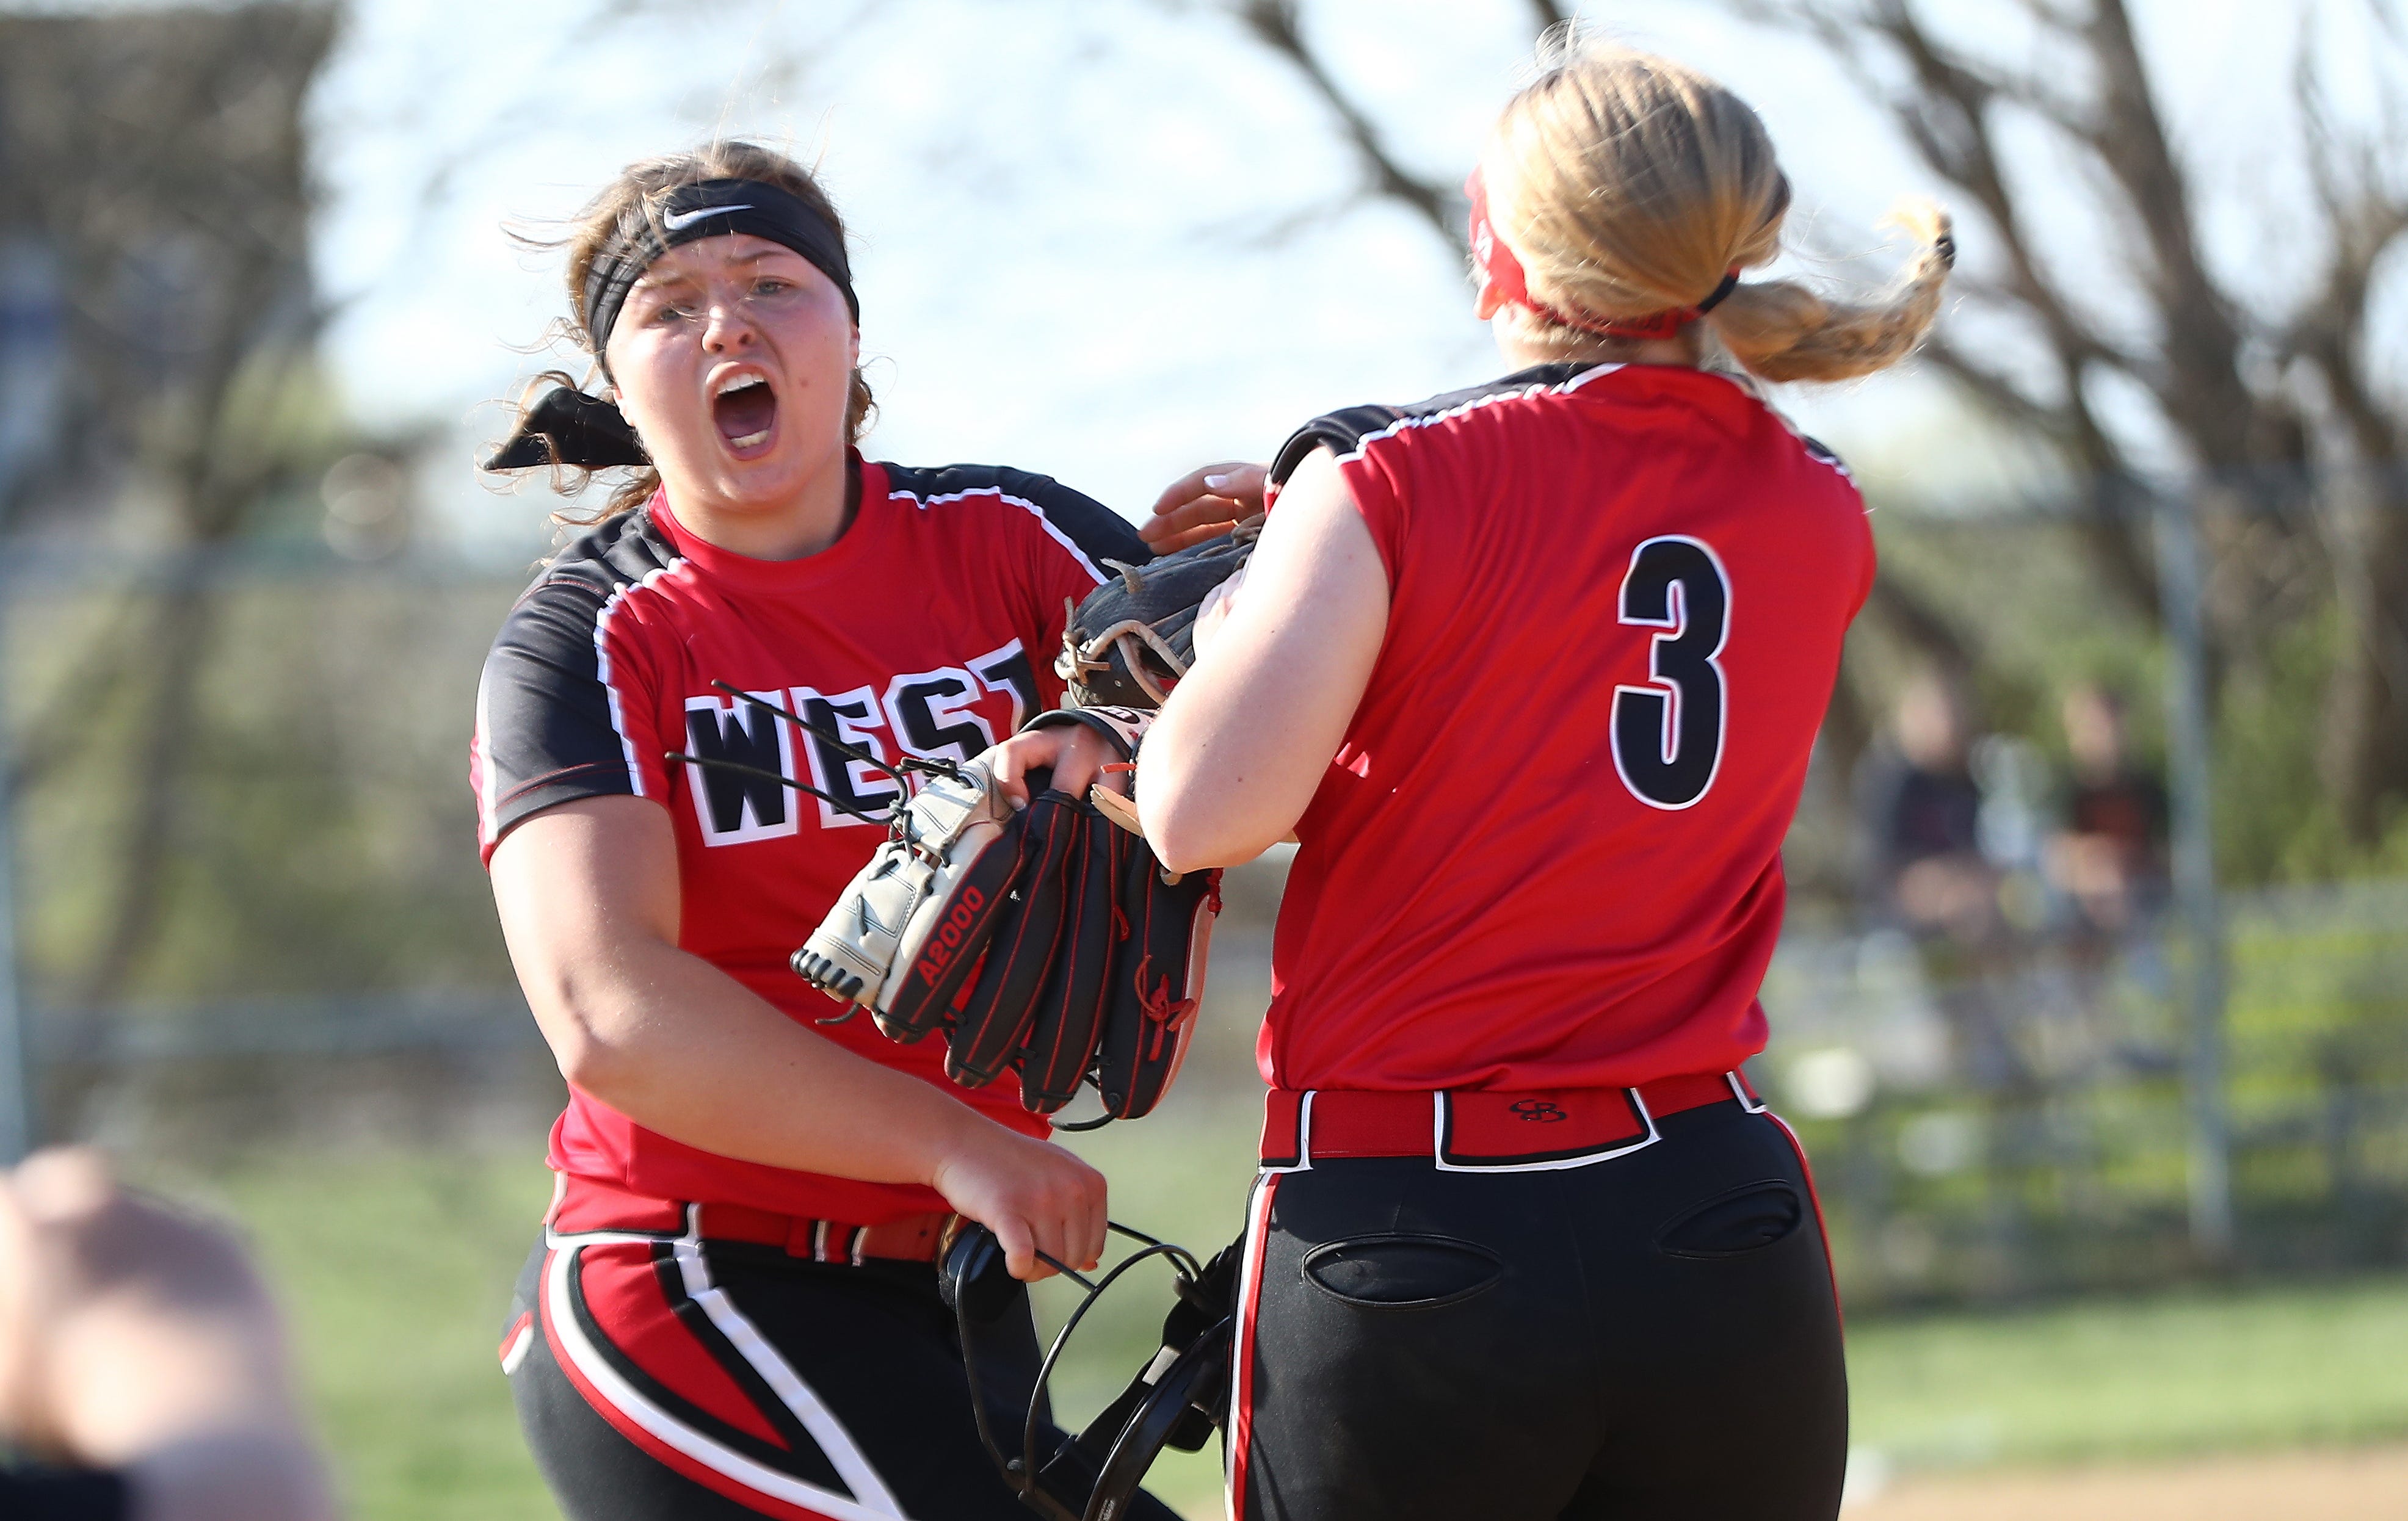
<point>2343,1486</point>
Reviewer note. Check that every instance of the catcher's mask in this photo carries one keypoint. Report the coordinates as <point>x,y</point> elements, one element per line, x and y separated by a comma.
<point>1176,1401</point>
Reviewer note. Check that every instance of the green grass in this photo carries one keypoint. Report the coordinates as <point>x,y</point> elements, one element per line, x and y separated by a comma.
<point>397,1270</point>
<point>2172,1373</point>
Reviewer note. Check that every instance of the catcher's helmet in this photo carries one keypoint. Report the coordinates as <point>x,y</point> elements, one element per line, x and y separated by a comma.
<point>1176,1401</point>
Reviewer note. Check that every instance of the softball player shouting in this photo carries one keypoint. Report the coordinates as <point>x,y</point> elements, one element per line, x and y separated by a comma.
<point>1532,672</point>
<point>733,1310</point>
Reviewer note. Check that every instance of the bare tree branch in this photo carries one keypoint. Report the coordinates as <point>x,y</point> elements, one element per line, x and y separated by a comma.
<point>2059,424</point>
<point>1278,26</point>
<point>2206,398</point>
<point>2366,216</point>
<point>2249,425</point>
<point>1945,113</point>
<point>1921,625</point>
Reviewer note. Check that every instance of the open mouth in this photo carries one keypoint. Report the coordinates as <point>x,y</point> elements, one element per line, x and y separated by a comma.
<point>744,407</point>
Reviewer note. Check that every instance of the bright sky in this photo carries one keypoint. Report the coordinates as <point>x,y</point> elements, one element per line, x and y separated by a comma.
<point>1106,242</point>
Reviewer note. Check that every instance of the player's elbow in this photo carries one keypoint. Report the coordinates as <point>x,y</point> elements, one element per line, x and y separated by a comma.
<point>1176,852</point>
<point>1186,837</point>
<point>587,1061</point>
<point>586,1044</point>
<point>1170,828</point>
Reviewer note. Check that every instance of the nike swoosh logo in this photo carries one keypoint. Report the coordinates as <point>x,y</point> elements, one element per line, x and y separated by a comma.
<point>677,221</point>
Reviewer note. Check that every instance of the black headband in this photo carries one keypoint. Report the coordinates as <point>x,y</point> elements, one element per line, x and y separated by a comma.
<point>566,426</point>
<point>714,209</point>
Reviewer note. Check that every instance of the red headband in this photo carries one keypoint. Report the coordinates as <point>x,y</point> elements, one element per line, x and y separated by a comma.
<point>1494,258</point>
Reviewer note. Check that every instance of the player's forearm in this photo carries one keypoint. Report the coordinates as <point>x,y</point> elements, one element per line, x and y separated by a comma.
<point>679,1047</point>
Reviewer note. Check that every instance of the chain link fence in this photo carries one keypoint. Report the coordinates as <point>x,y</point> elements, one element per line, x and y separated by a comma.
<point>2015,1120</point>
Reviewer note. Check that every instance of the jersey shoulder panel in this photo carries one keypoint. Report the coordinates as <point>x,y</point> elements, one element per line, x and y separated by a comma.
<point>1347,429</point>
<point>1822,453</point>
<point>1091,532</point>
<point>551,724</point>
<point>554,617</point>
<point>629,544</point>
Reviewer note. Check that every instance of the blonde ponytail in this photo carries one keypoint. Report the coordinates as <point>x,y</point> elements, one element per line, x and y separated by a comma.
<point>1781,331</point>
<point>1630,185</point>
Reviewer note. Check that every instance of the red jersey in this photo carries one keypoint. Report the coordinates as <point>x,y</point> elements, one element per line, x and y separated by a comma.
<point>926,630</point>
<point>1548,853</point>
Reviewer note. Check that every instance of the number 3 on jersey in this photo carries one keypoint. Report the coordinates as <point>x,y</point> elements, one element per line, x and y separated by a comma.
<point>1667,735</point>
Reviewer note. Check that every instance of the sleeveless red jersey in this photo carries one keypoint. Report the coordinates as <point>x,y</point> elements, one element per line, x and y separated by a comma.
<point>927,629</point>
<point>1548,853</point>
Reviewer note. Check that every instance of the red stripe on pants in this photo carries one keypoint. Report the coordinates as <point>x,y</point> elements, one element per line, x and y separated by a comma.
<point>634,1430</point>
<point>1242,1401</point>
<point>1815,1199</point>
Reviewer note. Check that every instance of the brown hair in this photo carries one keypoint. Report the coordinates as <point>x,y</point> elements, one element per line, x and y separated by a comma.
<point>1628,184</point>
<point>621,207</point>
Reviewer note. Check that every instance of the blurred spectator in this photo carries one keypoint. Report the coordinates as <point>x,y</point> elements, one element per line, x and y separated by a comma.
<point>2110,860</point>
<point>141,1363</point>
<point>1921,808</point>
<point>1922,811</point>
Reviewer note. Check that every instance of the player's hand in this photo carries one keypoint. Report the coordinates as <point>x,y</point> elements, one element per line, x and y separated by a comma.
<point>1075,754</point>
<point>1035,1196</point>
<point>1204,504</point>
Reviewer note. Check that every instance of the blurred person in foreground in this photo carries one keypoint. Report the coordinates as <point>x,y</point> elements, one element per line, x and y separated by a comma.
<point>142,1367</point>
<point>1533,670</point>
<point>733,1309</point>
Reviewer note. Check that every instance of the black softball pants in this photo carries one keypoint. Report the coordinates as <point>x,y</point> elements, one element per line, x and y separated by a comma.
<point>1648,1337</point>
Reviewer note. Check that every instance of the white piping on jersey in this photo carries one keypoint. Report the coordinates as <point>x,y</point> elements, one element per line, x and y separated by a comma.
<point>1521,393</point>
<point>851,1464</point>
<point>1590,373</point>
<point>876,1504</point>
<point>1065,540</point>
<point>602,667</point>
<point>1814,451</point>
<point>1820,455</point>
<point>484,768</point>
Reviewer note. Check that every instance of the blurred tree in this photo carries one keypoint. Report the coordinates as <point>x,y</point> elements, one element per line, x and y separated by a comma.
<point>2272,398</point>
<point>2275,399</point>
<point>1282,28</point>
<point>1279,25</point>
<point>156,227</point>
